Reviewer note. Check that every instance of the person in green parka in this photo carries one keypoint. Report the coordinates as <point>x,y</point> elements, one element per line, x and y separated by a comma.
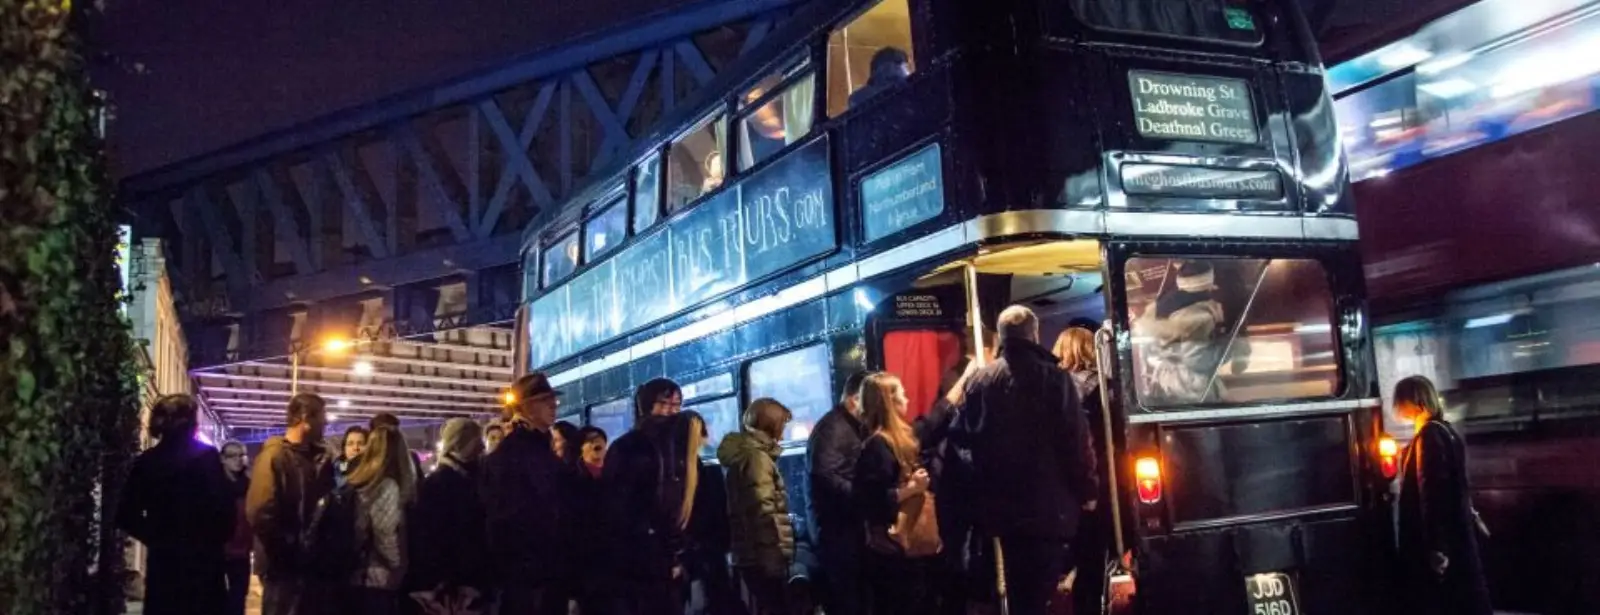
<point>758,507</point>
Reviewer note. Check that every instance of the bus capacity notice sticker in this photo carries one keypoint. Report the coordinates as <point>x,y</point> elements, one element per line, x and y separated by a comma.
<point>1191,108</point>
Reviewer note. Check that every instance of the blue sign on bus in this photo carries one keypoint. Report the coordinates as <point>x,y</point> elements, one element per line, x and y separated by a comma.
<point>902,194</point>
<point>769,222</point>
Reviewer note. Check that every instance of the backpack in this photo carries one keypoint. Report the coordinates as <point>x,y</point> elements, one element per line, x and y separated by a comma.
<point>332,547</point>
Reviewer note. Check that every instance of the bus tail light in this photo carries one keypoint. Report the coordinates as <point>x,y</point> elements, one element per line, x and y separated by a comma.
<point>1388,456</point>
<point>1147,473</point>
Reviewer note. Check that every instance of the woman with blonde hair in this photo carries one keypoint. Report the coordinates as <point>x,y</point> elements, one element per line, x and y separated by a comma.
<point>384,482</point>
<point>889,474</point>
<point>1438,526</point>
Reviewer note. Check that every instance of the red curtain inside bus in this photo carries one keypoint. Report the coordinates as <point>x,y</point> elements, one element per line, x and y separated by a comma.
<point>920,358</point>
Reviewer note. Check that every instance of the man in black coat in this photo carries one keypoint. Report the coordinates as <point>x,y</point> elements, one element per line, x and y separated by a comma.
<point>834,446</point>
<point>178,504</point>
<point>521,493</point>
<point>1024,447</point>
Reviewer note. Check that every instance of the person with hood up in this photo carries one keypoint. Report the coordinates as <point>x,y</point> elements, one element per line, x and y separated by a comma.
<point>1439,528</point>
<point>650,484</point>
<point>1182,326</point>
<point>1023,444</point>
<point>758,506</point>
<point>522,496</point>
<point>449,564</point>
<point>177,502</point>
<point>293,472</point>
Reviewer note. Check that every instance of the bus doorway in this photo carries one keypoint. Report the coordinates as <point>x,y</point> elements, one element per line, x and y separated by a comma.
<point>929,333</point>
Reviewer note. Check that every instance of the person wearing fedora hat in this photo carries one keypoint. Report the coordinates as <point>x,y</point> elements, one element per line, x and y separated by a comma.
<point>1182,329</point>
<point>521,492</point>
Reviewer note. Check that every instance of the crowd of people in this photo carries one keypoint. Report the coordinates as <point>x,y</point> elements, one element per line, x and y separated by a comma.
<point>992,498</point>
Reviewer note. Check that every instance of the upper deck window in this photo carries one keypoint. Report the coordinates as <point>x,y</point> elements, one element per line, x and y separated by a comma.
<point>606,230</point>
<point>530,274</point>
<point>768,121</point>
<point>869,55</point>
<point>647,193</point>
<point>1229,21</point>
<point>560,259</point>
<point>1231,330</point>
<point>695,165</point>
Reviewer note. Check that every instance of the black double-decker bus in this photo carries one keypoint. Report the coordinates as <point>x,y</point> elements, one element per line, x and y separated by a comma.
<point>872,185</point>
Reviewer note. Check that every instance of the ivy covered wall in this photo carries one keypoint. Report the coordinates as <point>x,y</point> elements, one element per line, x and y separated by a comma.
<point>67,382</point>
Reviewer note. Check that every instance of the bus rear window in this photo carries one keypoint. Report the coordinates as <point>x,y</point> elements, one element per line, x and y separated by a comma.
<point>1210,330</point>
<point>1228,21</point>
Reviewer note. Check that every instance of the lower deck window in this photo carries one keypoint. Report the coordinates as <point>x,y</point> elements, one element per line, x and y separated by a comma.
<point>1221,471</point>
<point>613,417</point>
<point>721,417</point>
<point>800,379</point>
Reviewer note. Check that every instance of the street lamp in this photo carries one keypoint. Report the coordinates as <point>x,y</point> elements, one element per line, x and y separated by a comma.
<point>332,346</point>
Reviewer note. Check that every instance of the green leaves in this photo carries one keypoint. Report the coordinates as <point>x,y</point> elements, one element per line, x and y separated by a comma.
<point>68,396</point>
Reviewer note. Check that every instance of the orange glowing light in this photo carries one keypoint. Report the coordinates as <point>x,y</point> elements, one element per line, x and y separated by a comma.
<point>1147,474</point>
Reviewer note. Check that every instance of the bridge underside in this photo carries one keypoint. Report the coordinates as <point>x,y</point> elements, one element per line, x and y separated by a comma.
<point>398,225</point>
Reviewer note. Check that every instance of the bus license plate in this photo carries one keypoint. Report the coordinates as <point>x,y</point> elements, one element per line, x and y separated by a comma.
<point>1270,593</point>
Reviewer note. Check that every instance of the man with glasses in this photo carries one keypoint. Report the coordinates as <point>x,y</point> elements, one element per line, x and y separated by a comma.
<point>237,551</point>
<point>521,491</point>
<point>659,397</point>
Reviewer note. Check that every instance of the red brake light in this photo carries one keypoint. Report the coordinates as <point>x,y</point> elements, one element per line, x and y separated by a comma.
<point>1389,456</point>
<point>1147,473</point>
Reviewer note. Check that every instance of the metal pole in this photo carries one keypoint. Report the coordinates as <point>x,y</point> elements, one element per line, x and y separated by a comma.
<point>1102,345</point>
<point>1000,577</point>
<point>973,315</point>
<point>294,372</point>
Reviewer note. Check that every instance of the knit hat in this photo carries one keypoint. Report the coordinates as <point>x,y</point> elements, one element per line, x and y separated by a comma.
<point>458,434</point>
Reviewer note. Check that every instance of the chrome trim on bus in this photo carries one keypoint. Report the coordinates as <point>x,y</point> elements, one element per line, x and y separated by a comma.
<point>1190,526</point>
<point>1203,225</point>
<point>1209,414</point>
<point>1331,228</point>
<point>1033,221</point>
<point>994,226</point>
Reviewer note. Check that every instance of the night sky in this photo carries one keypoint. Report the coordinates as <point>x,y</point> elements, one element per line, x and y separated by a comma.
<point>221,72</point>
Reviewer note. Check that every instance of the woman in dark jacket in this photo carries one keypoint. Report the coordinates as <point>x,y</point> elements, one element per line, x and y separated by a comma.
<point>450,557</point>
<point>178,504</point>
<point>888,473</point>
<point>585,506</point>
<point>567,444</point>
<point>1438,526</point>
<point>1092,546</point>
<point>650,482</point>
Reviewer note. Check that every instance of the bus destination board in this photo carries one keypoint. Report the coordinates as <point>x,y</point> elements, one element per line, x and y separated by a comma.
<point>1192,108</point>
<point>904,193</point>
